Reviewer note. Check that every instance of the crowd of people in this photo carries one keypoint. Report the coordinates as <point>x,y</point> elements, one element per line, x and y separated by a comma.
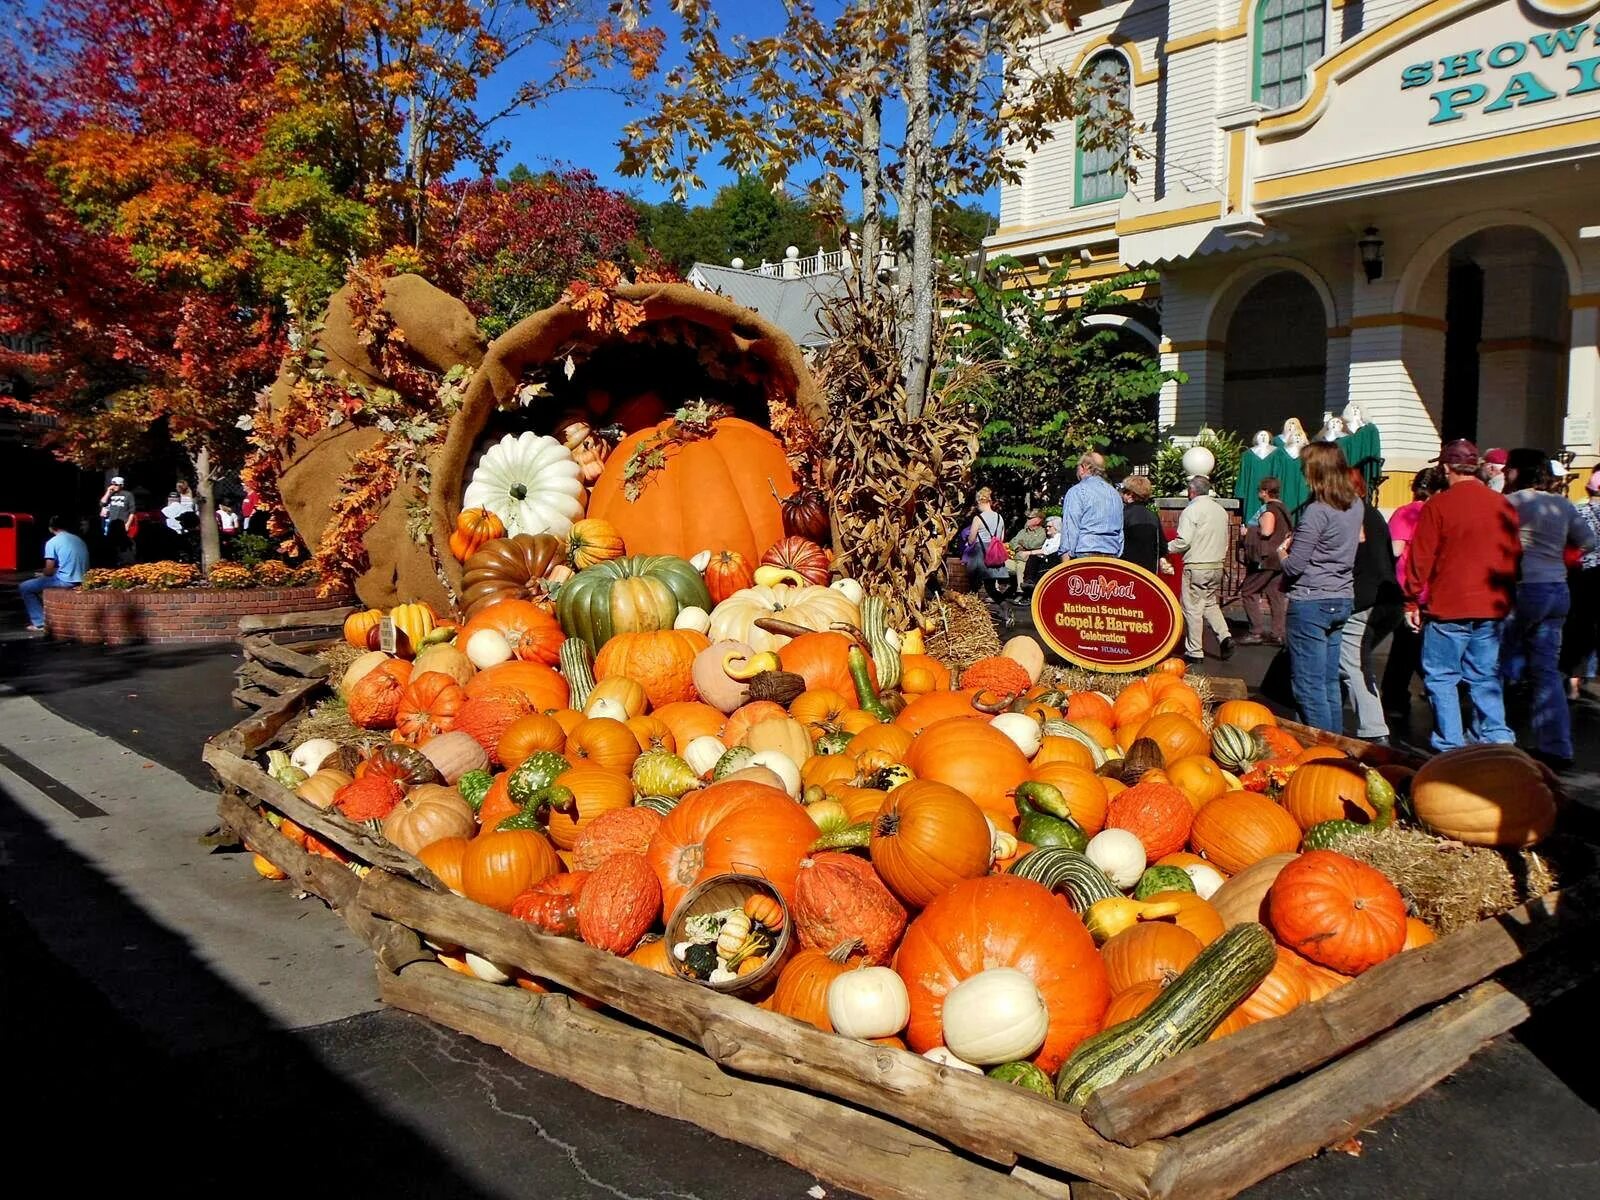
<point>1488,581</point>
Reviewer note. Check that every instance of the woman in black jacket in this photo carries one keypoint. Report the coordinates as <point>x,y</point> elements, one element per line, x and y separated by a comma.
<point>1379,608</point>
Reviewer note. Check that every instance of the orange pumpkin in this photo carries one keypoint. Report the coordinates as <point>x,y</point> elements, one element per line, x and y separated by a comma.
<point>1083,791</point>
<point>727,572</point>
<point>532,632</point>
<point>1098,730</point>
<point>926,838</point>
<point>1148,952</point>
<point>821,659</point>
<point>1177,735</point>
<point>603,742</point>
<point>621,900</point>
<point>1320,980</point>
<point>840,898</point>
<point>934,707</point>
<point>1280,993</point>
<point>1171,666</point>
<point>1199,777</point>
<point>653,954</point>
<point>921,674</point>
<point>1182,700</point>
<point>1418,933</point>
<point>541,688</point>
<point>474,527</point>
<point>374,702</point>
<point>595,790</point>
<point>497,803</point>
<point>976,759</point>
<point>716,491</point>
<point>1133,703</point>
<point>652,734</point>
<point>613,832</point>
<point>662,662</point>
<point>1242,828</point>
<point>1280,743</point>
<point>691,720</point>
<point>802,988</point>
<point>861,804</point>
<point>889,740</point>
<point>594,541</point>
<point>1246,714</point>
<point>819,709</point>
<point>359,624</point>
<point>1158,814</point>
<point>731,827</point>
<point>488,718</point>
<point>746,718</point>
<point>1067,750</point>
<point>444,859</point>
<point>1090,706</point>
<point>1194,914</point>
<point>1337,912</point>
<point>499,866</point>
<point>1004,921</point>
<point>529,735</point>
<point>822,769</point>
<point>1328,791</point>
<point>428,707</point>
<point>1128,1004</point>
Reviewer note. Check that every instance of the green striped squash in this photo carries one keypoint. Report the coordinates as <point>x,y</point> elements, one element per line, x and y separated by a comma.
<point>1235,749</point>
<point>1068,871</point>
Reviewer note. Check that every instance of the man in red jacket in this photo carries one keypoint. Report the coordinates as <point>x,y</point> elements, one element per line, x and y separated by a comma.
<point>1463,563</point>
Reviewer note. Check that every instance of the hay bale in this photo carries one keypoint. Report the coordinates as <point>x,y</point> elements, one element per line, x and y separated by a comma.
<point>1452,885</point>
<point>963,632</point>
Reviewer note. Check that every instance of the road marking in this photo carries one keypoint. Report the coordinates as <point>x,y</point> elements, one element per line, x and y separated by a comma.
<point>49,785</point>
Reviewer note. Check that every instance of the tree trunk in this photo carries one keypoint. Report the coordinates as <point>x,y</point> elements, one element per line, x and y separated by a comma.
<point>206,509</point>
<point>871,167</point>
<point>919,177</point>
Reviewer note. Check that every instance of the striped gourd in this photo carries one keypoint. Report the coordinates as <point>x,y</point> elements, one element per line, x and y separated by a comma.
<point>1062,869</point>
<point>1185,1014</point>
<point>660,804</point>
<point>1235,749</point>
<point>882,642</point>
<point>1055,727</point>
<point>1326,835</point>
<point>578,668</point>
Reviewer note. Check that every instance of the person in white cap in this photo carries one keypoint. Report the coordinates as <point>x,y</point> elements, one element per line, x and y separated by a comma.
<point>116,504</point>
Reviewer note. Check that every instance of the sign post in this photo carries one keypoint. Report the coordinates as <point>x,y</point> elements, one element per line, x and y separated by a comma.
<point>1104,614</point>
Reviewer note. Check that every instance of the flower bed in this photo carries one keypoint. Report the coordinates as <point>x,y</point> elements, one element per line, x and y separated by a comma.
<point>123,615</point>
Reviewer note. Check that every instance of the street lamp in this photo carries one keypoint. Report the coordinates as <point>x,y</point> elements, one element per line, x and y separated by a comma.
<point>1371,247</point>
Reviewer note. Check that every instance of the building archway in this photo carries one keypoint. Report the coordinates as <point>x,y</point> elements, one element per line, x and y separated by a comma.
<point>1275,355</point>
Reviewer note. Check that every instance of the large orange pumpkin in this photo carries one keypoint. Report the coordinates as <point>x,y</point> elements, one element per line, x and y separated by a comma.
<point>595,790</point>
<point>976,759</point>
<point>1128,1004</point>
<point>1199,777</point>
<point>499,866</point>
<point>926,838</point>
<point>714,492</point>
<point>1004,921</point>
<point>1148,952</point>
<point>822,769</point>
<point>1133,704</point>
<point>603,742</point>
<point>839,898</point>
<point>731,827</point>
<point>1069,750</point>
<point>691,720</point>
<point>1090,706</point>
<point>542,687</point>
<point>1082,789</point>
<point>821,659</point>
<point>1176,734</point>
<point>428,707</point>
<point>1194,914</point>
<point>1246,714</point>
<point>529,735</point>
<point>444,859</point>
<point>1328,791</point>
<point>889,740</point>
<point>531,629</point>
<point>938,706</point>
<point>1158,814</point>
<point>1337,912</point>
<point>661,661</point>
<point>1242,828</point>
<point>819,710</point>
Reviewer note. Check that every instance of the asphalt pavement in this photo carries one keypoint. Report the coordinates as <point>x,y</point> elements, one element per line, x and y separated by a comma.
<point>231,1033</point>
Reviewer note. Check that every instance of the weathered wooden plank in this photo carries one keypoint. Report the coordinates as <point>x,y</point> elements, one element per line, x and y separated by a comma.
<point>1218,1075</point>
<point>1260,1139</point>
<point>261,647</point>
<point>994,1122</point>
<point>326,824</point>
<point>251,697</point>
<point>1355,747</point>
<point>842,1145</point>
<point>254,732</point>
<point>316,618</point>
<point>257,675</point>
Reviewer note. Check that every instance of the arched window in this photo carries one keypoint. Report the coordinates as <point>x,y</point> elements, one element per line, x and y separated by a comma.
<point>1100,175</point>
<point>1290,36</point>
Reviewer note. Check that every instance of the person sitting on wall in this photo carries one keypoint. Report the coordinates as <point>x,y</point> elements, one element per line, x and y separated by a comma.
<point>66,558</point>
<point>1024,542</point>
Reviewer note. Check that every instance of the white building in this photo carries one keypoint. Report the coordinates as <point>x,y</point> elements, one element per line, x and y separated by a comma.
<point>1393,202</point>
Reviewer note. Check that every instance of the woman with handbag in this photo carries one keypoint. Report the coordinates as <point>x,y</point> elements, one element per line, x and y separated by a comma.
<point>987,556</point>
<point>1262,591</point>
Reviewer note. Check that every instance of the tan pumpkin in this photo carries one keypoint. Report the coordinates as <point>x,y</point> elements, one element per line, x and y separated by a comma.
<point>359,669</point>
<point>446,660</point>
<point>1486,796</point>
<point>783,734</point>
<point>627,694</point>
<point>1026,652</point>
<point>810,607</point>
<point>321,788</point>
<point>1242,897</point>
<point>426,814</point>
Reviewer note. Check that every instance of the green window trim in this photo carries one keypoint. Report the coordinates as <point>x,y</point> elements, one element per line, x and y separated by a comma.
<point>1097,175</point>
<point>1287,37</point>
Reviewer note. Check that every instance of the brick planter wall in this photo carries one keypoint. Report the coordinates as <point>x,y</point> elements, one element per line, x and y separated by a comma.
<point>195,615</point>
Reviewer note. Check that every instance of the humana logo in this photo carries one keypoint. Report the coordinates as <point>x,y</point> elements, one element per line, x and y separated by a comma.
<point>1099,588</point>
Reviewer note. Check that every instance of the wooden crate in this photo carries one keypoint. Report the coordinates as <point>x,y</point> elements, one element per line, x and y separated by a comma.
<point>889,1123</point>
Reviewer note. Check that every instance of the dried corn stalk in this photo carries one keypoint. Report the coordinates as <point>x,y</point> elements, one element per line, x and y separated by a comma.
<point>895,485</point>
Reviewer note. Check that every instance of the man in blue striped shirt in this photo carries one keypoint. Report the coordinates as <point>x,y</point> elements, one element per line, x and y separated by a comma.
<point>1091,514</point>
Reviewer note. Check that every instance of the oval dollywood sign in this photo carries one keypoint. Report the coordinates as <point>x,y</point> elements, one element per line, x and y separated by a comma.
<point>1106,615</point>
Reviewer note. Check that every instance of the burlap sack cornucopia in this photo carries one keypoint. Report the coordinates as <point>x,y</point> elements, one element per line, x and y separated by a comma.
<point>441,333</point>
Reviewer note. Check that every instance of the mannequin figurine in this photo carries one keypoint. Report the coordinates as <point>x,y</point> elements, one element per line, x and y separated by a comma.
<point>1354,419</point>
<point>1294,437</point>
<point>1262,446</point>
<point>588,447</point>
<point>1332,428</point>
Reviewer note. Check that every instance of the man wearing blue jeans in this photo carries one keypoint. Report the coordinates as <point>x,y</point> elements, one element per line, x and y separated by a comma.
<point>1462,565</point>
<point>66,558</point>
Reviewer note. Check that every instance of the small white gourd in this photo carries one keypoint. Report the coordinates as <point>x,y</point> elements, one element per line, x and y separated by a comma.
<point>870,1002</point>
<point>1119,854</point>
<point>488,648</point>
<point>1025,732</point>
<point>693,617</point>
<point>309,755</point>
<point>1206,879</point>
<point>995,1016</point>
<point>703,754</point>
<point>781,765</point>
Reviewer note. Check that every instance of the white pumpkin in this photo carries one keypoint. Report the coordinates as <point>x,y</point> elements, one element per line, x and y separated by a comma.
<point>871,1002</point>
<point>781,765</point>
<point>312,753</point>
<point>1206,879</point>
<point>488,648</point>
<point>605,706</point>
<point>531,482</point>
<point>851,589</point>
<point>485,970</point>
<point>1023,730</point>
<point>693,617</point>
<point>942,1056</point>
<point>995,1016</point>
<point>811,607</point>
<point>1119,854</point>
<point>703,754</point>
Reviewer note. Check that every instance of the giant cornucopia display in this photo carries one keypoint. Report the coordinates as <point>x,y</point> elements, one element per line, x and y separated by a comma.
<point>636,705</point>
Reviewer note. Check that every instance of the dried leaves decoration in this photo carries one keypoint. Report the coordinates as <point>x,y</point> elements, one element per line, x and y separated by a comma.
<point>692,423</point>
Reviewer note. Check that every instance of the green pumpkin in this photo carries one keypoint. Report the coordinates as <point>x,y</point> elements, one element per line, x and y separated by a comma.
<point>1235,749</point>
<point>637,594</point>
<point>1162,879</point>
<point>834,742</point>
<point>1326,835</point>
<point>1024,1075</point>
<point>474,787</point>
<point>533,774</point>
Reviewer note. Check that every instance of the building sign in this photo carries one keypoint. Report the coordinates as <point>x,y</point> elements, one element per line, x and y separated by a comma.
<point>1104,614</point>
<point>1520,71</point>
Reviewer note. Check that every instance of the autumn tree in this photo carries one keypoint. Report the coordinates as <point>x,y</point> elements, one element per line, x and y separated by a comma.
<point>913,103</point>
